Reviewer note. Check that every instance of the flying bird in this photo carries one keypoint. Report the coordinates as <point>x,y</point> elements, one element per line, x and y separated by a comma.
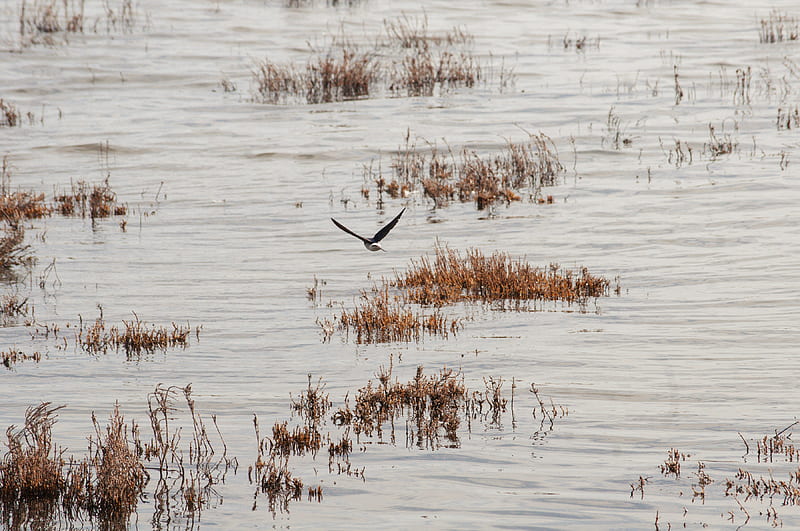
<point>373,244</point>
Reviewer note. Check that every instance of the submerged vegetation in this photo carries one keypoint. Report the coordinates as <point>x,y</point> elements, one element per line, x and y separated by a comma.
<point>409,306</point>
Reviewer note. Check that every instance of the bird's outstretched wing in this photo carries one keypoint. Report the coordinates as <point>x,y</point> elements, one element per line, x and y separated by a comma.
<point>348,231</point>
<point>381,234</point>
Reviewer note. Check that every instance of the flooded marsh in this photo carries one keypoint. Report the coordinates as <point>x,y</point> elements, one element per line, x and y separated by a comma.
<point>585,318</point>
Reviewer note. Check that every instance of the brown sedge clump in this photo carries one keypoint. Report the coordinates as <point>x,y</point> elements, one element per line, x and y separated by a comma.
<point>444,175</point>
<point>38,485</point>
<point>451,277</point>
<point>136,337</point>
<point>408,307</point>
<point>13,356</point>
<point>380,318</point>
<point>326,78</point>
<point>94,201</point>
<point>271,474</point>
<point>9,114</point>
<point>409,61</point>
<point>779,27</point>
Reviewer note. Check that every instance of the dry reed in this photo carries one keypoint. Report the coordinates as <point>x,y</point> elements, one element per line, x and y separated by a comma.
<point>94,201</point>
<point>381,317</point>
<point>39,487</point>
<point>270,473</point>
<point>394,310</point>
<point>672,465</point>
<point>13,356</point>
<point>450,277</point>
<point>186,483</point>
<point>13,250</point>
<point>325,79</point>
<point>9,114</point>
<point>135,339</point>
<point>469,177</point>
<point>779,27</point>
<point>412,32</point>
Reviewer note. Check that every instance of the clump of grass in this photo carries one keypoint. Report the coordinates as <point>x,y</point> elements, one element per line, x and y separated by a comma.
<point>312,404</point>
<point>17,206</point>
<point>672,465</point>
<point>679,155</point>
<point>450,277</point>
<point>9,114</point>
<point>409,62</point>
<point>326,78</point>
<point>49,22</point>
<point>788,118</point>
<point>780,445</point>
<point>135,339</point>
<point>412,32</point>
<point>719,145</point>
<point>186,484</point>
<point>13,250</point>
<point>39,488</point>
<point>433,405</point>
<point>381,317</point>
<point>615,136</point>
<point>393,310</point>
<point>467,176</point>
<point>94,201</point>
<point>297,441</point>
<point>120,475</point>
<point>271,471</point>
<point>422,71</point>
<point>13,356</point>
<point>779,27</point>
<point>33,468</point>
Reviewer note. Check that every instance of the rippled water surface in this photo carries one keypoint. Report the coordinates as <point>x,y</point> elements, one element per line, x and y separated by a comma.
<point>229,201</point>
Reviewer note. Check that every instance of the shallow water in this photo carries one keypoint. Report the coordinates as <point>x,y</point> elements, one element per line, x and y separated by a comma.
<point>228,226</point>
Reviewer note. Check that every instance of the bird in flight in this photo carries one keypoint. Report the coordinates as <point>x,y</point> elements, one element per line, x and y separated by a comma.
<point>373,244</point>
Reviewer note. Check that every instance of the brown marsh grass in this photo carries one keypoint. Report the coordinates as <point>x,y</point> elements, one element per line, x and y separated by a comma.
<point>50,22</point>
<point>449,277</point>
<point>779,27</point>
<point>270,473</point>
<point>136,338</point>
<point>412,32</point>
<point>762,488</point>
<point>409,307</point>
<point>189,468</point>
<point>94,201</point>
<point>9,114</point>
<point>422,71</point>
<point>382,317</point>
<point>444,175</point>
<point>719,145</point>
<point>409,61</point>
<point>13,250</point>
<point>325,78</point>
<point>13,356</point>
<point>788,118</point>
<point>38,486</point>
<point>434,406</point>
